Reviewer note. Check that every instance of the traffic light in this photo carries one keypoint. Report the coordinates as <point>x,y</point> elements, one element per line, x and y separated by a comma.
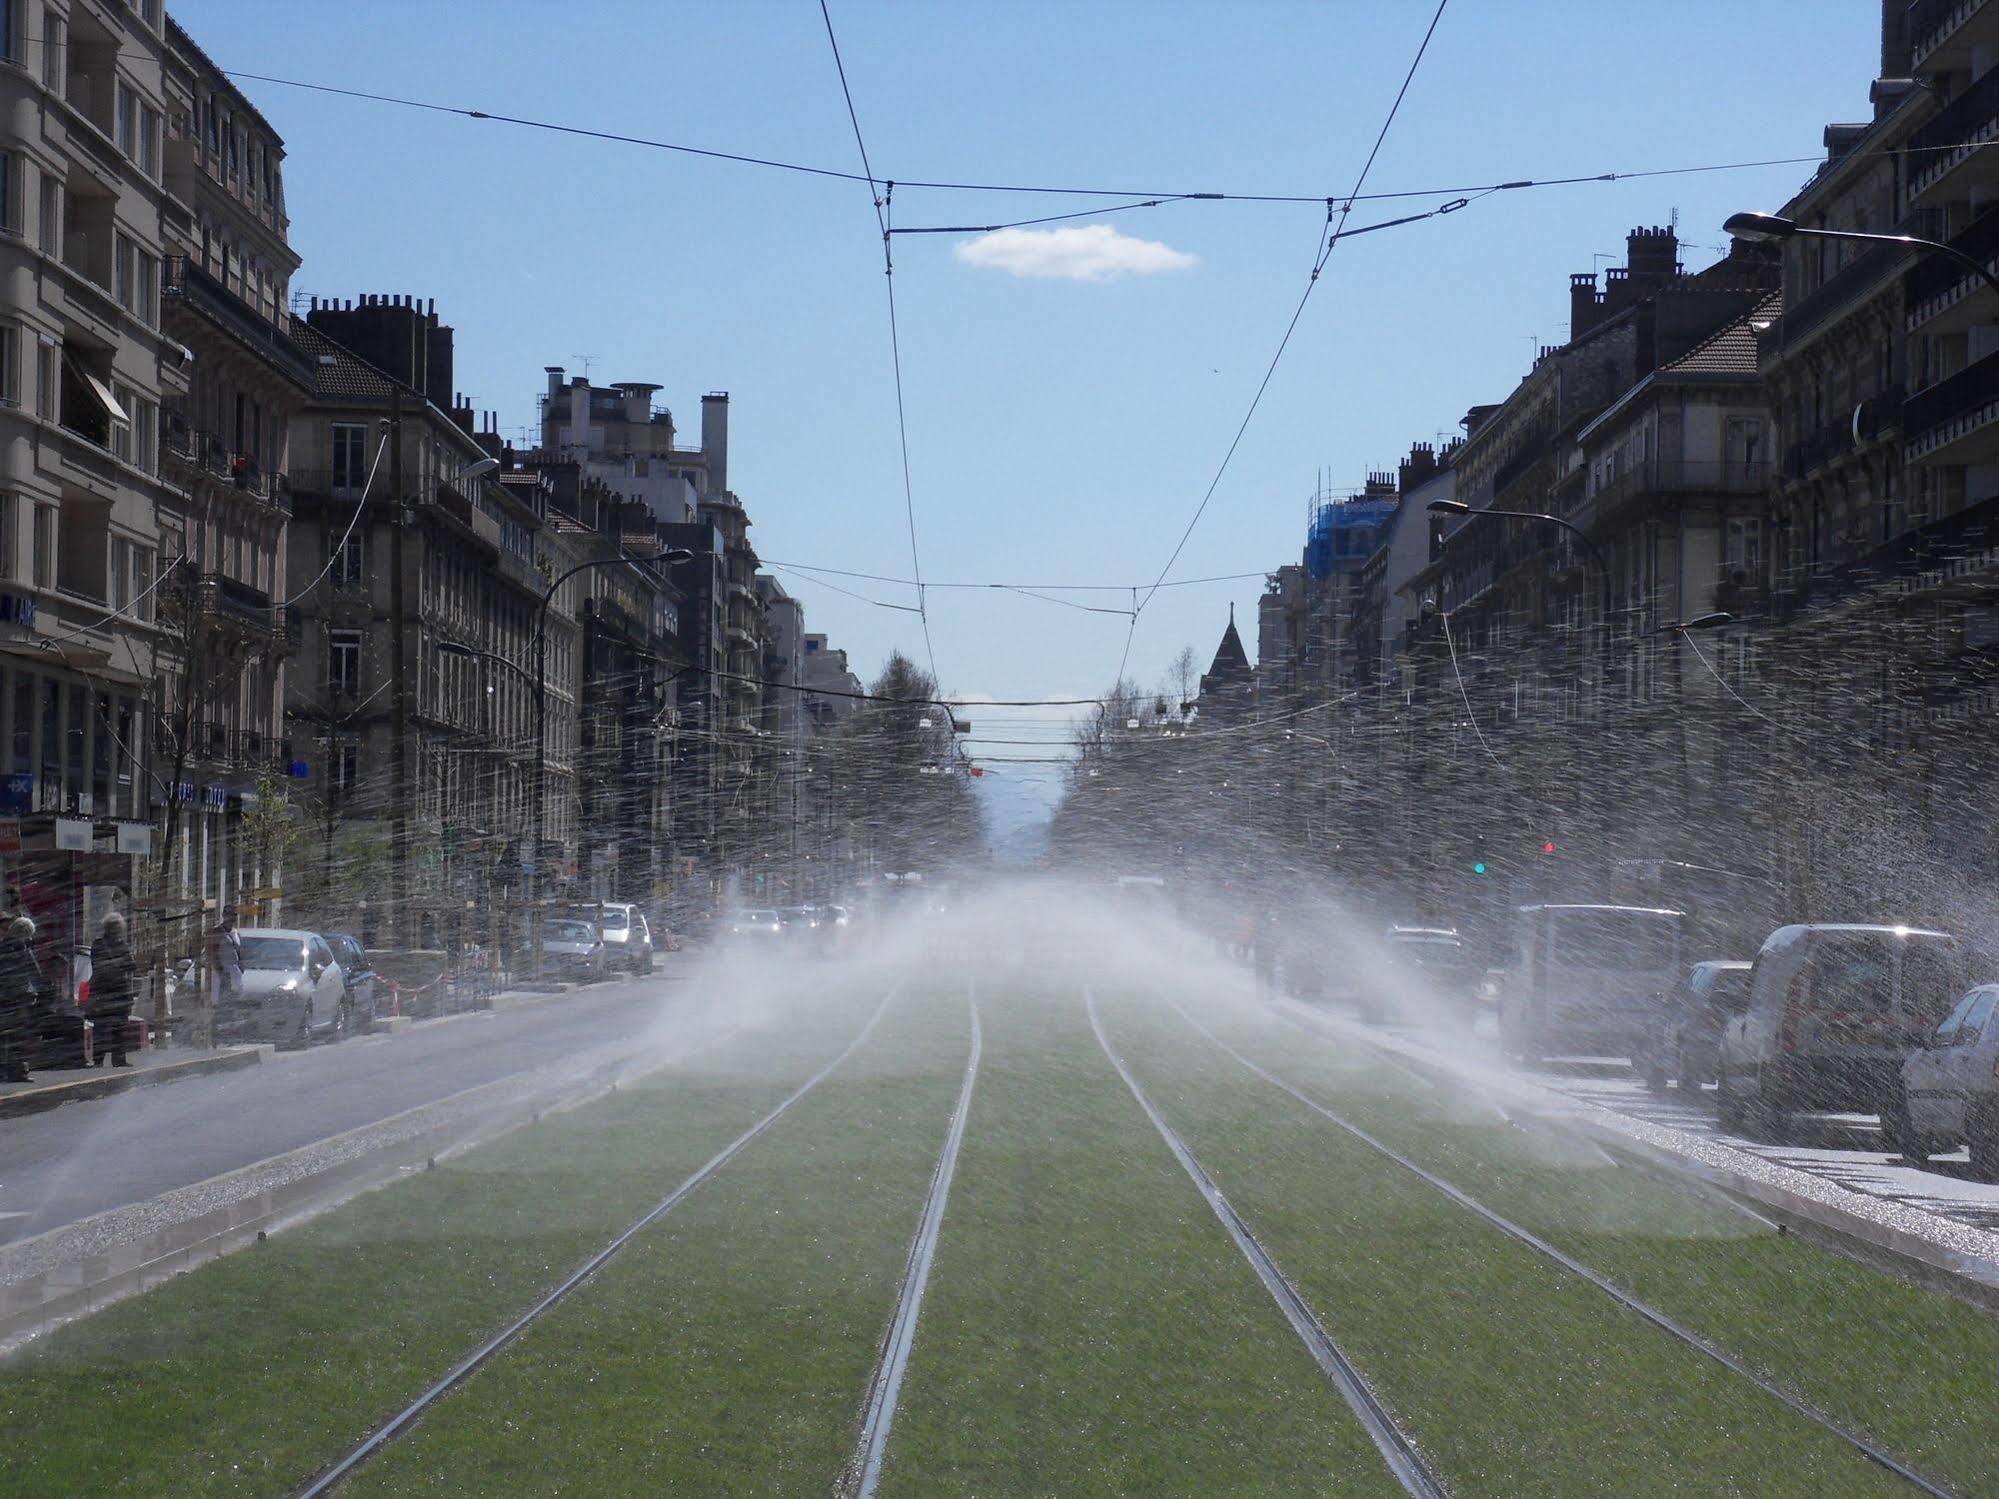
<point>1548,846</point>
<point>1478,866</point>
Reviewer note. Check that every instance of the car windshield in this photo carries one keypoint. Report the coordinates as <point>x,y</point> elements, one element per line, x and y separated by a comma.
<point>1247,585</point>
<point>1614,940</point>
<point>276,954</point>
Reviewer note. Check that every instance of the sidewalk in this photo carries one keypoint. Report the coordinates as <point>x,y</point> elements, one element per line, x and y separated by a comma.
<point>59,1085</point>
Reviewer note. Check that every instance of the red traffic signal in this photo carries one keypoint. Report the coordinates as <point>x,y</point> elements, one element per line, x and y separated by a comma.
<point>1547,845</point>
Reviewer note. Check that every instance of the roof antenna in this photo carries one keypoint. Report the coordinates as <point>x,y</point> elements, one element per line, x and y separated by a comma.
<point>588,360</point>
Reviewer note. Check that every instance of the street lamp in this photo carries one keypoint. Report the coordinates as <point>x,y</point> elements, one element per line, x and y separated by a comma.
<point>1459,507</point>
<point>667,557</point>
<point>1764,228</point>
<point>476,469</point>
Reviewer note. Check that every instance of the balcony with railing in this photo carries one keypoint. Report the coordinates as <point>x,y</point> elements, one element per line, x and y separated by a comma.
<point>342,484</point>
<point>1942,32</point>
<point>229,601</point>
<point>1852,283</point>
<point>1959,129</point>
<point>1955,420</point>
<point>185,284</point>
<point>1941,295</point>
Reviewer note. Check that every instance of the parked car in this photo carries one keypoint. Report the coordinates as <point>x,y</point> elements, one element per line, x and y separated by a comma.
<point>358,974</point>
<point>1583,980</point>
<point>293,990</point>
<point>627,936</point>
<point>572,949</point>
<point>1833,1010</point>
<point>1950,1087</point>
<point>1680,1039</point>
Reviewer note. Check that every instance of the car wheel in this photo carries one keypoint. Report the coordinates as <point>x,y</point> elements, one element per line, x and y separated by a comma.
<point>1687,1075</point>
<point>343,1022</point>
<point>302,1036</point>
<point>1654,1072</point>
<point>1983,1131</point>
<point>1729,1105</point>
<point>1898,1131</point>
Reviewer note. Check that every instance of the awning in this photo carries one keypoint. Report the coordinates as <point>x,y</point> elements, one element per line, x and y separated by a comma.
<point>97,388</point>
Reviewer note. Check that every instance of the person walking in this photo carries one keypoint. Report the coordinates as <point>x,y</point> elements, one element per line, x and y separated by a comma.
<point>225,964</point>
<point>20,998</point>
<point>111,989</point>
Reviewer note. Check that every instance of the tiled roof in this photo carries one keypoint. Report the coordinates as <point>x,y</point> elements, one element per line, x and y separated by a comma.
<point>340,374</point>
<point>1732,351</point>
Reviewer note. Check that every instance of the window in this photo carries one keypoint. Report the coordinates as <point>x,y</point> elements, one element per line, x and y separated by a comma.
<point>148,267</point>
<point>149,141</point>
<point>346,768</point>
<point>142,583</point>
<point>24,722</point>
<point>48,225</point>
<point>121,574</point>
<point>45,546</point>
<point>229,143</point>
<point>55,52</point>
<point>10,365</point>
<point>10,220</point>
<point>350,466</point>
<point>121,425</point>
<point>48,379</point>
<point>125,274</point>
<point>145,434</point>
<point>128,121</point>
<point>343,662</point>
<point>350,558</point>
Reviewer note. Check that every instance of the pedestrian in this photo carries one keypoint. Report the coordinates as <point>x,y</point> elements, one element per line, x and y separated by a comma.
<point>111,989</point>
<point>225,965</point>
<point>20,998</point>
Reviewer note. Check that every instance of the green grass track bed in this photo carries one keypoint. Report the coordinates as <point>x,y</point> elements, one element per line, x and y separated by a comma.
<point>249,1374</point>
<point>728,1349</point>
<point>1089,1328</point>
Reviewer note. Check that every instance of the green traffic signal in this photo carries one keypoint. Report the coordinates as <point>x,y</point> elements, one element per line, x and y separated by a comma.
<point>1479,867</point>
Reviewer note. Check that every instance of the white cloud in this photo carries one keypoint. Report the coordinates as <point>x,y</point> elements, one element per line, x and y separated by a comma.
<point>1090,252</point>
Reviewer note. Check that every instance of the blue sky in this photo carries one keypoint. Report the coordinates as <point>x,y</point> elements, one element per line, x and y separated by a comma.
<point>1061,431</point>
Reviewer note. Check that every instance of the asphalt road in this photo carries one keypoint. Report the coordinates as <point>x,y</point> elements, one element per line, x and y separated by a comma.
<point>84,1158</point>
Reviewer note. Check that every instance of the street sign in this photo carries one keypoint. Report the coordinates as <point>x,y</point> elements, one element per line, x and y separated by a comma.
<point>73,834</point>
<point>266,892</point>
<point>10,835</point>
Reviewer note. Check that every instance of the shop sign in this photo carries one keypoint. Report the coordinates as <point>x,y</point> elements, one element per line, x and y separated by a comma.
<point>135,838</point>
<point>10,835</point>
<point>17,609</point>
<point>73,834</point>
<point>17,792</point>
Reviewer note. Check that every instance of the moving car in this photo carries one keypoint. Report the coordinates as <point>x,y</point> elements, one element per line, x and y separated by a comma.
<point>293,990</point>
<point>1584,980</point>
<point>571,948</point>
<point>1679,1042</point>
<point>1435,963</point>
<point>1950,1087</point>
<point>627,937</point>
<point>1833,1010</point>
<point>359,976</point>
<point>753,924</point>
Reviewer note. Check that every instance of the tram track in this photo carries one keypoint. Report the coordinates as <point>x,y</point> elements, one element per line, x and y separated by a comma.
<point>397,1425</point>
<point>1397,1449</point>
<point>885,1385</point>
<point>1625,1299</point>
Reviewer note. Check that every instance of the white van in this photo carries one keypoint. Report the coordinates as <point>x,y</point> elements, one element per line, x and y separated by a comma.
<point>1832,1011</point>
<point>1584,980</point>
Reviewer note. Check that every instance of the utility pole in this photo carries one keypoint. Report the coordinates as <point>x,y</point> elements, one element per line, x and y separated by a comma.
<point>399,827</point>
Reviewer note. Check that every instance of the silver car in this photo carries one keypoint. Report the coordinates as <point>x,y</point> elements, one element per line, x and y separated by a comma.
<point>572,949</point>
<point>1950,1087</point>
<point>293,990</point>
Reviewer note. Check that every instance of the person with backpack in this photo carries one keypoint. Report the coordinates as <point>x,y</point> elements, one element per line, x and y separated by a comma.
<point>111,990</point>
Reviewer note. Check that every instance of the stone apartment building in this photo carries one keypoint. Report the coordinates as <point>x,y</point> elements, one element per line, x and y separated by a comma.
<point>224,446</point>
<point>85,366</point>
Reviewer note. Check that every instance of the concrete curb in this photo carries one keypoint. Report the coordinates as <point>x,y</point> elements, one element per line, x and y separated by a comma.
<point>52,1095</point>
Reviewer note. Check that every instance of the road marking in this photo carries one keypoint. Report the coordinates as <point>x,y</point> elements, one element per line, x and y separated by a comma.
<point>886,1385</point>
<point>1397,1450</point>
<point>465,1367</point>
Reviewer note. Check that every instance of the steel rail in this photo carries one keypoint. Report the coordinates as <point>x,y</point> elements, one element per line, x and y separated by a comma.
<point>885,1386</point>
<point>1397,1450</point>
<point>1648,1313</point>
<point>410,1414</point>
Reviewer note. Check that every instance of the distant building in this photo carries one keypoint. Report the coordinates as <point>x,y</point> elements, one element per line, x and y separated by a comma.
<point>1228,686</point>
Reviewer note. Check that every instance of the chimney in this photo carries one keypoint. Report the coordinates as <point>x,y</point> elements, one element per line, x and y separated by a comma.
<point>1418,467</point>
<point>1897,46</point>
<point>715,439</point>
<point>1585,304</point>
<point>1652,256</point>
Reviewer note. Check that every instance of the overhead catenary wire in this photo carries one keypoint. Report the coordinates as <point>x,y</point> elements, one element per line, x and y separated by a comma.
<point>882,194</point>
<point>1332,238</point>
